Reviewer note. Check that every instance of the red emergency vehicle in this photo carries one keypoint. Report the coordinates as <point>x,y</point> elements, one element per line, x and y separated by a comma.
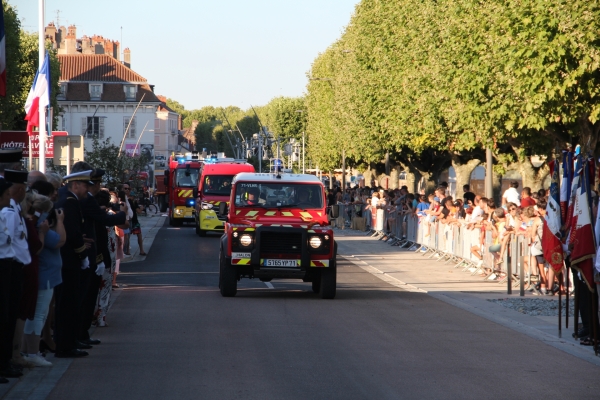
<point>277,227</point>
<point>214,187</point>
<point>180,181</point>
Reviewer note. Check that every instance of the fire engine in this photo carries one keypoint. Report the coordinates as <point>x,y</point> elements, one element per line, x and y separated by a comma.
<point>277,227</point>
<point>180,181</point>
<point>214,187</point>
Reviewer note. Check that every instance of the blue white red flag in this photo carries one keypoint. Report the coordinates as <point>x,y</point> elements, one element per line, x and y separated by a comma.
<point>565,186</point>
<point>553,251</point>
<point>2,53</point>
<point>39,95</point>
<point>582,235</point>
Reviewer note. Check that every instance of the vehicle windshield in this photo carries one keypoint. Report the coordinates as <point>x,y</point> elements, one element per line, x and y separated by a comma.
<point>186,177</point>
<point>277,195</point>
<point>218,185</point>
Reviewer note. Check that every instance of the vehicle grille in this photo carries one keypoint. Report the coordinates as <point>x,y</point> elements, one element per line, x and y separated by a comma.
<point>279,242</point>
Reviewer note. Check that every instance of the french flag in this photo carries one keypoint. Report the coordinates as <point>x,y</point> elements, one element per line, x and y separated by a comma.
<point>2,54</point>
<point>39,95</point>
<point>553,252</point>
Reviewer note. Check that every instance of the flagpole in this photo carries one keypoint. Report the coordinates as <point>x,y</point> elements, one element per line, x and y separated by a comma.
<point>42,111</point>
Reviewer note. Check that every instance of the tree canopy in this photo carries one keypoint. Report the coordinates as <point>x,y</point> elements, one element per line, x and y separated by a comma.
<point>454,76</point>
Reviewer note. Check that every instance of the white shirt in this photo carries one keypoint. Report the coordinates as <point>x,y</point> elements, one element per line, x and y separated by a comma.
<point>374,202</point>
<point>129,210</point>
<point>512,196</point>
<point>16,225</point>
<point>6,249</point>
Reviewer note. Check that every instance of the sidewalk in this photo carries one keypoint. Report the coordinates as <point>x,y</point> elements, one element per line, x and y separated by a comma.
<point>37,383</point>
<point>413,272</point>
<point>150,226</point>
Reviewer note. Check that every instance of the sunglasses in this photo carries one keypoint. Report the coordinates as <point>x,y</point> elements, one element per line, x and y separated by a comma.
<point>125,188</point>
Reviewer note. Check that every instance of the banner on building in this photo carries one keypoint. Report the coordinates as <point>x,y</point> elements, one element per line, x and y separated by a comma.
<point>21,139</point>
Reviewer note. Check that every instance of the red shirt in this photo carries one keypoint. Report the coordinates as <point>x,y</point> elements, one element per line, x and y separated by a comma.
<point>527,201</point>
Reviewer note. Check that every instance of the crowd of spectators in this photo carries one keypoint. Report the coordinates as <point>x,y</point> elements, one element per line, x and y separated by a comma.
<point>61,241</point>
<point>520,213</point>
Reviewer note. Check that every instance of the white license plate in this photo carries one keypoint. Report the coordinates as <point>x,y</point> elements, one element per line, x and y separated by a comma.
<point>241,255</point>
<point>281,263</point>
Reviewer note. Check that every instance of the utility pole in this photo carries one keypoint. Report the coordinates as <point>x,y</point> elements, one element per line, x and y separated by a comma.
<point>303,151</point>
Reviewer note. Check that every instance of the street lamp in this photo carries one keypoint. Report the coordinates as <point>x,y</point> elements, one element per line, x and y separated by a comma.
<point>303,141</point>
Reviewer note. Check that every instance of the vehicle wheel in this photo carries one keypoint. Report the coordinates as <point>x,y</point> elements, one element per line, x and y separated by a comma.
<point>162,204</point>
<point>316,281</point>
<point>197,228</point>
<point>171,220</point>
<point>201,232</point>
<point>328,281</point>
<point>153,209</point>
<point>227,278</point>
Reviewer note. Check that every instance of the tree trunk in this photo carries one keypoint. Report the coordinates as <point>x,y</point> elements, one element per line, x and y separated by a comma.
<point>497,188</point>
<point>387,164</point>
<point>394,178</point>
<point>463,173</point>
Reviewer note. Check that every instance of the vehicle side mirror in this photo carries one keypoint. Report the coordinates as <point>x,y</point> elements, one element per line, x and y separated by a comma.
<point>335,211</point>
<point>223,208</point>
<point>195,192</point>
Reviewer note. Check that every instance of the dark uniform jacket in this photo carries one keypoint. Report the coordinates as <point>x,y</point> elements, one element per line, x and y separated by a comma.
<point>95,222</point>
<point>74,251</point>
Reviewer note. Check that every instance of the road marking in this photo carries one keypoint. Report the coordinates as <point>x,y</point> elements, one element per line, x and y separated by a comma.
<point>383,276</point>
<point>175,228</point>
<point>269,285</point>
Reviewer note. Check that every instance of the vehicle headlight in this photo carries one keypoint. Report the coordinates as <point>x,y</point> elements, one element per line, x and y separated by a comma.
<point>245,240</point>
<point>315,242</point>
<point>178,211</point>
<point>206,206</point>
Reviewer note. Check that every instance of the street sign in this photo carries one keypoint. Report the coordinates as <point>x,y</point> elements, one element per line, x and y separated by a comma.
<point>21,139</point>
<point>68,148</point>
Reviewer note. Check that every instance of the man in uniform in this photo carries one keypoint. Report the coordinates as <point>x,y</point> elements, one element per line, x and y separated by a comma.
<point>96,221</point>
<point>7,255</point>
<point>18,233</point>
<point>74,255</point>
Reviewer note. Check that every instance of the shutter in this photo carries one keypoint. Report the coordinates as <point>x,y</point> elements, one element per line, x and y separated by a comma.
<point>132,128</point>
<point>83,126</point>
<point>101,128</point>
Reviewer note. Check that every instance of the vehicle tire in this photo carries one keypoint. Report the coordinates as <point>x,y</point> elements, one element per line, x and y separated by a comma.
<point>328,281</point>
<point>316,281</point>
<point>153,209</point>
<point>171,220</point>
<point>197,228</point>
<point>162,204</point>
<point>227,278</point>
<point>201,232</point>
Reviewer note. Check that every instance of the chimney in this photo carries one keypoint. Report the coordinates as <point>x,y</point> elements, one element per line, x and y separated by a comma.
<point>71,40</point>
<point>117,52</point>
<point>127,57</point>
<point>180,123</point>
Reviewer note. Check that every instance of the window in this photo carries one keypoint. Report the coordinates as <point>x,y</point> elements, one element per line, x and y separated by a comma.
<point>95,91</point>
<point>186,177</point>
<point>62,94</point>
<point>277,195</point>
<point>92,127</point>
<point>219,185</point>
<point>156,124</point>
<point>131,132</point>
<point>130,92</point>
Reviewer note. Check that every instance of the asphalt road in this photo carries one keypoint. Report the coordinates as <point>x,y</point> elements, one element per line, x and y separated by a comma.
<point>172,335</point>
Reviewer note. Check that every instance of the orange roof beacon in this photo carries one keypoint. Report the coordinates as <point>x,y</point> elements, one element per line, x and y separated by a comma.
<point>277,226</point>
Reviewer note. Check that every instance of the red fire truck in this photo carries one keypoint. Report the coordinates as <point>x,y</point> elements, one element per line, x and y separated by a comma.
<point>180,181</point>
<point>214,187</point>
<point>277,227</point>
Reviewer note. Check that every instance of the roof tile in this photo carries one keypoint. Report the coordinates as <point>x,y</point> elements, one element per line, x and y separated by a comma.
<point>95,68</point>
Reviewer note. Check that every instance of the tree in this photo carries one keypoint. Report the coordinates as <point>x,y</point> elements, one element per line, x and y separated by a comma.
<point>119,168</point>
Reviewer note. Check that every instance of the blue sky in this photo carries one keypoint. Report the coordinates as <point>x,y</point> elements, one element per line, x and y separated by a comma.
<point>220,52</point>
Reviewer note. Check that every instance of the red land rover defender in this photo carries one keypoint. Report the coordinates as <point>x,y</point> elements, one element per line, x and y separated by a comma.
<point>277,227</point>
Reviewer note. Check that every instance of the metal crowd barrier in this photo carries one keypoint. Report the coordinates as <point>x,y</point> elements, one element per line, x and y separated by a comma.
<point>451,243</point>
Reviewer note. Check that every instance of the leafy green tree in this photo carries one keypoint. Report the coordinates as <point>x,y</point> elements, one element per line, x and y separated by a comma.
<point>119,168</point>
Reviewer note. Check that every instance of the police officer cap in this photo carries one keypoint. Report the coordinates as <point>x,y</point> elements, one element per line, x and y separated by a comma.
<point>16,176</point>
<point>97,174</point>
<point>4,185</point>
<point>83,176</point>
<point>11,154</point>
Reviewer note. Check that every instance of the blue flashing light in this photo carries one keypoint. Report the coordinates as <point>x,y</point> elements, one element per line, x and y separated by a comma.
<point>190,202</point>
